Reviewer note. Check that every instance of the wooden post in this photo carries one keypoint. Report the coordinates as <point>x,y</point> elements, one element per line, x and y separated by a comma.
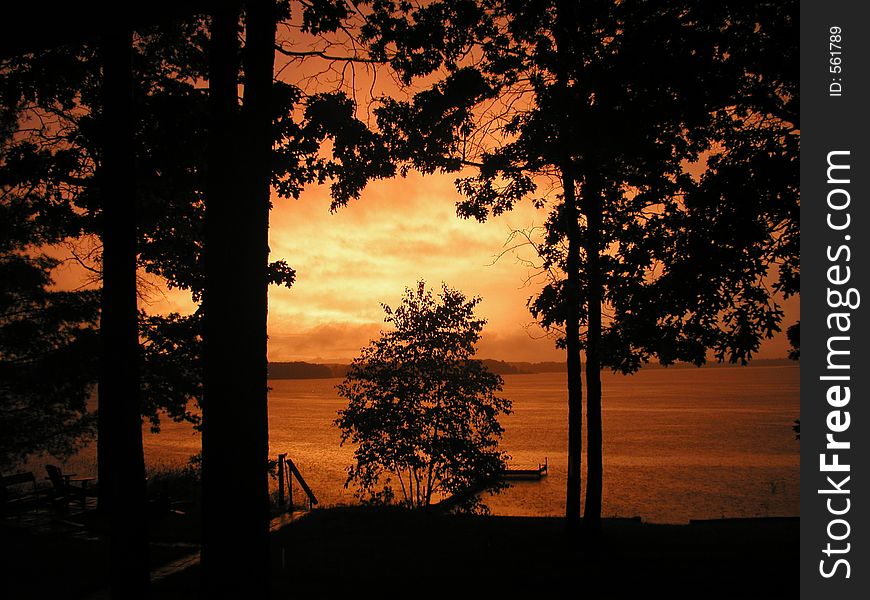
<point>281,504</point>
<point>290,489</point>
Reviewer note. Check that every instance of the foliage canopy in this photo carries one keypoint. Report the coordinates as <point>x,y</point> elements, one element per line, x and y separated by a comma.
<point>50,154</point>
<point>679,136</point>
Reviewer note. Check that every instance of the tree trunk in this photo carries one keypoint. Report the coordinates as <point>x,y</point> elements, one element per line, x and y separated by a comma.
<point>235,546</point>
<point>594,468</point>
<point>121,462</point>
<point>259,62</point>
<point>574,363</point>
<point>222,516</point>
<point>566,14</point>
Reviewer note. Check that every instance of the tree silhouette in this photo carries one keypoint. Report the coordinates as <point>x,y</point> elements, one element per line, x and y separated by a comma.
<point>48,350</point>
<point>242,163</point>
<point>422,412</point>
<point>156,131</point>
<point>235,422</point>
<point>48,344</point>
<point>60,89</point>
<point>57,149</point>
<point>507,65</point>
<point>608,103</point>
<point>121,457</point>
<point>45,175</point>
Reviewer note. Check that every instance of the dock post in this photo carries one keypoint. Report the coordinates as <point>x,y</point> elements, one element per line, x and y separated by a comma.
<point>281,504</point>
<point>290,489</point>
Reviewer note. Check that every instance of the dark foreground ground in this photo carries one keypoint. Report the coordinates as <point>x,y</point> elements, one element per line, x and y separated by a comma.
<point>394,553</point>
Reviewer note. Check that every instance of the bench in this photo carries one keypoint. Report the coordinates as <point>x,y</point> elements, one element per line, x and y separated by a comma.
<point>21,492</point>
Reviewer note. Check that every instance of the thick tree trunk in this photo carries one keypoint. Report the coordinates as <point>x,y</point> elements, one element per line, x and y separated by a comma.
<point>120,457</point>
<point>235,550</point>
<point>221,514</point>
<point>259,61</point>
<point>566,14</point>
<point>574,365</point>
<point>594,473</point>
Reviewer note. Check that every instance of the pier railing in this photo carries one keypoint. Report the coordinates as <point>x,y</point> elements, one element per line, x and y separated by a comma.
<point>287,470</point>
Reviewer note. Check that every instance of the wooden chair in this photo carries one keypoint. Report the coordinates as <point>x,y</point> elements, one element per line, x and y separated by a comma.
<point>67,487</point>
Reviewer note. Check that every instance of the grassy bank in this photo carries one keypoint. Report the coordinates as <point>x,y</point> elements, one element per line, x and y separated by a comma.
<point>394,553</point>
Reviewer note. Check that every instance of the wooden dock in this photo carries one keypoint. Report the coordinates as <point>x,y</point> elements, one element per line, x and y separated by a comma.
<point>526,474</point>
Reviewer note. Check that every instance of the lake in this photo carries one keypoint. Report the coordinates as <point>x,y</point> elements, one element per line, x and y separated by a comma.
<point>679,444</point>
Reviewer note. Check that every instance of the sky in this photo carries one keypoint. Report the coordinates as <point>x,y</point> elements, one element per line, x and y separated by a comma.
<point>400,231</point>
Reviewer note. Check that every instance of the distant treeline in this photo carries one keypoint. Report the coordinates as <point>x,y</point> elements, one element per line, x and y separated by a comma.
<point>305,370</point>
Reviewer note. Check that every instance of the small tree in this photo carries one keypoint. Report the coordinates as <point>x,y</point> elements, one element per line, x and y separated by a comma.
<point>422,412</point>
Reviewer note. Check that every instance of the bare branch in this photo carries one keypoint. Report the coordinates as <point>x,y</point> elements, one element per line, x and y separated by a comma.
<point>320,54</point>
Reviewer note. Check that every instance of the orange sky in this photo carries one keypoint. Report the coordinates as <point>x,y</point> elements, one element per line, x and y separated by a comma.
<point>401,230</point>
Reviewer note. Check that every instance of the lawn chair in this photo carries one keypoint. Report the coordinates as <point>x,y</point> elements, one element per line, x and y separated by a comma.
<point>67,487</point>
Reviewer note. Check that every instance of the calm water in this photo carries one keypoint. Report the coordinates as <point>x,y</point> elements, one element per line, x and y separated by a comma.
<point>679,444</point>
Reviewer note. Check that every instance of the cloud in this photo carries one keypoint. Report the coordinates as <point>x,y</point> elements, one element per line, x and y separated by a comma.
<point>399,232</point>
<point>341,342</point>
<point>531,345</point>
<point>323,343</point>
<point>365,254</point>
